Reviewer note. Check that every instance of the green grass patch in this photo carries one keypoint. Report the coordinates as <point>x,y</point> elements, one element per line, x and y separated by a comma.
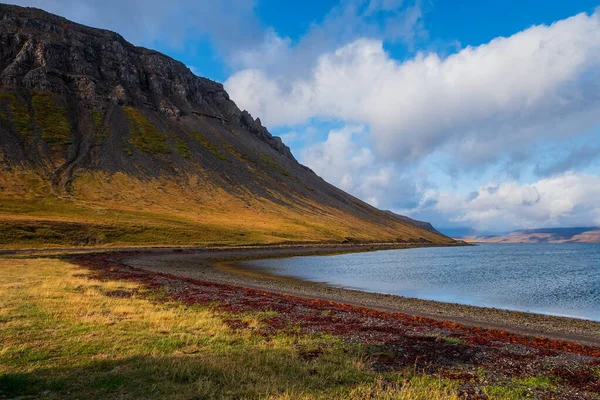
<point>454,341</point>
<point>182,148</point>
<point>97,116</point>
<point>143,135</point>
<point>51,119</point>
<point>128,150</point>
<point>273,164</point>
<point>519,388</point>
<point>20,118</point>
<point>102,130</point>
<point>4,107</point>
<point>242,156</point>
<point>210,146</point>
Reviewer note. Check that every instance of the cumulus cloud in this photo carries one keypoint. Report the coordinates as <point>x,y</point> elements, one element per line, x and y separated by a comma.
<point>542,82</point>
<point>282,59</point>
<point>569,199</point>
<point>341,160</point>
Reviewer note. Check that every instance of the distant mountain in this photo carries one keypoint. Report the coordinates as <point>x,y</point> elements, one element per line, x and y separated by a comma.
<point>544,235</point>
<point>104,143</point>
<point>462,232</point>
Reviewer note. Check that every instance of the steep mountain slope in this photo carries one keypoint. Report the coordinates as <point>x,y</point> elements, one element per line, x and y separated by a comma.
<point>420,224</point>
<point>102,142</point>
<point>544,235</point>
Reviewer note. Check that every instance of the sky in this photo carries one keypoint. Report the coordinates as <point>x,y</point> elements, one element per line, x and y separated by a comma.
<point>471,114</point>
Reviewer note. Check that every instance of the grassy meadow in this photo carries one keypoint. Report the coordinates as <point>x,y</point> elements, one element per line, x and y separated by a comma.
<point>63,335</point>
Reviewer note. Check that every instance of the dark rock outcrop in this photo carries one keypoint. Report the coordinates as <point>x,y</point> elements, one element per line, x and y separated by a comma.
<point>44,52</point>
<point>255,126</point>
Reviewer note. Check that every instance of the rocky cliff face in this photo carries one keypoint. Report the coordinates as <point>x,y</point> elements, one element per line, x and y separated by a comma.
<point>79,105</point>
<point>44,52</point>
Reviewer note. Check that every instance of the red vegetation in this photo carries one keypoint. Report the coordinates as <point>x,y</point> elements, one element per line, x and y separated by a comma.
<point>396,340</point>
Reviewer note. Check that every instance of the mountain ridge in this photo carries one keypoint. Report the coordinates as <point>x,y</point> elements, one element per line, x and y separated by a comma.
<point>103,142</point>
<point>421,224</point>
<point>543,235</point>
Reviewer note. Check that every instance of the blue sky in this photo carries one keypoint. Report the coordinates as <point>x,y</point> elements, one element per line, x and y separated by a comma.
<point>467,114</point>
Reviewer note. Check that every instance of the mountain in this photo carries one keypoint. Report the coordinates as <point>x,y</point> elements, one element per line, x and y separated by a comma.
<point>106,143</point>
<point>462,232</point>
<point>545,235</point>
<point>414,222</point>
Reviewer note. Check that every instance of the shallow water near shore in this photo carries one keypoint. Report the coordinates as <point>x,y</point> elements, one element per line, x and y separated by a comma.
<point>554,279</point>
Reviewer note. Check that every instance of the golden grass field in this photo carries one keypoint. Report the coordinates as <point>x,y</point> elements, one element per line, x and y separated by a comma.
<point>120,210</point>
<point>63,335</point>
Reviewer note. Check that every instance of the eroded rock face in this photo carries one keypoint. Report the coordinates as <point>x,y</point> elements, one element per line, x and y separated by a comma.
<point>255,126</point>
<point>43,52</point>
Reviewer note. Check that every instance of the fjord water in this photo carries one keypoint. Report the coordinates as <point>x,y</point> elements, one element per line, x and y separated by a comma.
<point>555,279</point>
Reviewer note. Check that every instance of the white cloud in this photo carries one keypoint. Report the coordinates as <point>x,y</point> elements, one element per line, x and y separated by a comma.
<point>383,5</point>
<point>342,161</point>
<point>272,51</point>
<point>569,199</point>
<point>282,59</point>
<point>476,104</point>
<point>481,106</point>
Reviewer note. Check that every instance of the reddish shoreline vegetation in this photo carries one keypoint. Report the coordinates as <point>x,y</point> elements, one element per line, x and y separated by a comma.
<point>109,146</point>
<point>485,363</point>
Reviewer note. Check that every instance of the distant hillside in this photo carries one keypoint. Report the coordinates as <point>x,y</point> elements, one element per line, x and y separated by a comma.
<point>545,235</point>
<point>420,224</point>
<point>463,232</point>
<point>105,143</point>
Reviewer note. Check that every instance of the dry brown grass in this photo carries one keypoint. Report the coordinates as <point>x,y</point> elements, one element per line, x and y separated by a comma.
<point>120,210</point>
<point>65,336</point>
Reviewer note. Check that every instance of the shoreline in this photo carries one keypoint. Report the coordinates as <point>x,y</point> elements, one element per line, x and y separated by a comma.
<point>473,358</point>
<point>296,246</point>
<point>220,266</point>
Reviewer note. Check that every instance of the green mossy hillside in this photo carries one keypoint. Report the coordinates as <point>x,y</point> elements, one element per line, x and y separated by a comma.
<point>210,146</point>
<point>182,148</point>
<point>143,135</point>
<point>242,156</point>
<point>51,119</point>
<point>19,113</point>
<point>273,165</point>
<point>102,129</point>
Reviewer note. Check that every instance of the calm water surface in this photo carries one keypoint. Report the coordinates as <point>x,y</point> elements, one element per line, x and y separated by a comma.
<point>556,279</point>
